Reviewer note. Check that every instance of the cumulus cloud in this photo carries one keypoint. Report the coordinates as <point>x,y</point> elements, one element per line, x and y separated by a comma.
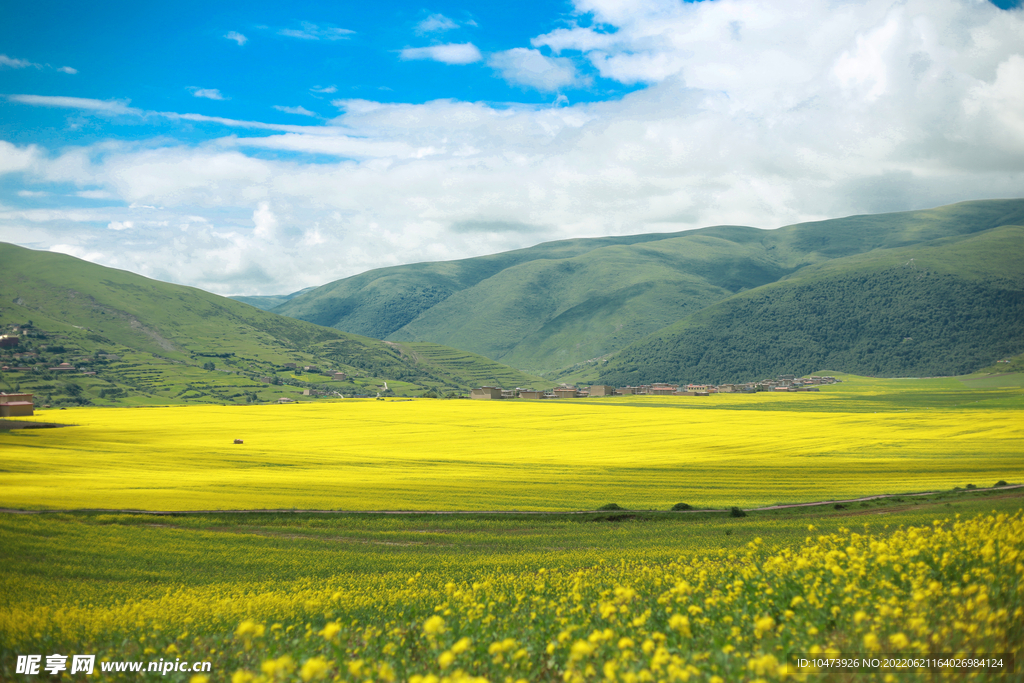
<point>756,112</point>
<point>237,37</point>
<point>310,31</point>
<point>530,68</point>
<point>207,93</point>
<point>68,70</point>
<point>452,53</point>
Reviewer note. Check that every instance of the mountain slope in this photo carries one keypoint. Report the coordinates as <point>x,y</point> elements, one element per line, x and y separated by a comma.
<point>558,304</point>
<point>943,307</point>
<point>163,335</point>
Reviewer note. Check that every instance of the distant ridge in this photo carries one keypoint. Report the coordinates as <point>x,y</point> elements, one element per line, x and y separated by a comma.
<point>705,305</point>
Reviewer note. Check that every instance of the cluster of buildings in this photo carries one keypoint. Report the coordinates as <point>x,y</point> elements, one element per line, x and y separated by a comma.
<point>782,383</point>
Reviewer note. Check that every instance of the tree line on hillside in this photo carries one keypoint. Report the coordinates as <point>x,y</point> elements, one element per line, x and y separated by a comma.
<point>896,322</point>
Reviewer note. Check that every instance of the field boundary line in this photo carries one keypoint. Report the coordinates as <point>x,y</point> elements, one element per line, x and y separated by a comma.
<point>129,511</point>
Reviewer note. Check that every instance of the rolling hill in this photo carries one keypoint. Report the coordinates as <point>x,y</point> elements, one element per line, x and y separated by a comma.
<point>154,342</point>
<point>943,307</point>
<point>549,308</point>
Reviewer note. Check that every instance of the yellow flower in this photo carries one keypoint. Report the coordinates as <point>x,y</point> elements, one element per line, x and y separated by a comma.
<point>680,623</point>
<point>762,625</point>
<point>249,629</point>
<point>899,641</point>
<point>329,631</point>
<point>433,626</point>
<point>313,669</point>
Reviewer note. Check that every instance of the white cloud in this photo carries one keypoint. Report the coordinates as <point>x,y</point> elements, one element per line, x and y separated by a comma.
<point>302,111</point>
<point>237,37</point>
<point>15,63</point>
<point>326,90</point>
<point>33,193</point>
<point>207,93</point>
<point>452,53</point>
<point>757,112</point>
<point>77,252</point>
<point>94,194</point>
<point>120,225</point>
<point>265,221</point>
<point>102,106</point>
<point>436,23</point>
<point>121,107</point>
<point>14,158</point>
<point>523,66</point>
<point>311,31</point>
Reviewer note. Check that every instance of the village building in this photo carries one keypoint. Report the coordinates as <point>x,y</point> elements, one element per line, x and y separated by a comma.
<point>531,394</point>
<point>626,391</point>
<point>339,377</point>
<point>9,341</point>
<point>565,392</point>
<point>486,393</point>
<point>63,367</point>
<point>601,390</point>
<point>16,405</point>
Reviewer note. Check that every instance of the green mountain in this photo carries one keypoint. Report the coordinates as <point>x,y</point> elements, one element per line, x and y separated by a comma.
<point>154,342</point>
<point>941,307</point>
<point>549,308</point>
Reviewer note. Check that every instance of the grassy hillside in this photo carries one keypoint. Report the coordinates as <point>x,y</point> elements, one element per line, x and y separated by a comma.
<point>944,307</point>
<point>154,342</point>
<point>555,306</point>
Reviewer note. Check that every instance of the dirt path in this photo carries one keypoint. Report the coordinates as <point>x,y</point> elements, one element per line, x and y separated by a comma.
<point>127,511</point>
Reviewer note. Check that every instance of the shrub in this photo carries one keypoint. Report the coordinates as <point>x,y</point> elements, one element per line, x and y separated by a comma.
<point>611,506</point>
<point>736,512</point>
<point>839,506</point>
<point>971,486</point>
<point>1001,482</point>
<point>681,506</point>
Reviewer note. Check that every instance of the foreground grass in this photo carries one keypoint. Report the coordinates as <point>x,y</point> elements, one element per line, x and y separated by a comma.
<point>615,596</point>
<point>864,436</point>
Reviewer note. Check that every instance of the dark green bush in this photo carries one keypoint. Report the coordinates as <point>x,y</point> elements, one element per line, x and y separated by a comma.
<point>736,512</point>
<point>681,506</point>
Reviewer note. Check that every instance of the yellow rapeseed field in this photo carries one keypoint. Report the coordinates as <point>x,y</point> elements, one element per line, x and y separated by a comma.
<point>642,452</point>
<point>953,586</point>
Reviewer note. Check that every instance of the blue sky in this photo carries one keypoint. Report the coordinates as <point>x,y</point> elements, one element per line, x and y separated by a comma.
<point>258,148</point>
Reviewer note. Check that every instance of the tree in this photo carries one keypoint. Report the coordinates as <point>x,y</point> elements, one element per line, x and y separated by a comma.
<point>208,365</point>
